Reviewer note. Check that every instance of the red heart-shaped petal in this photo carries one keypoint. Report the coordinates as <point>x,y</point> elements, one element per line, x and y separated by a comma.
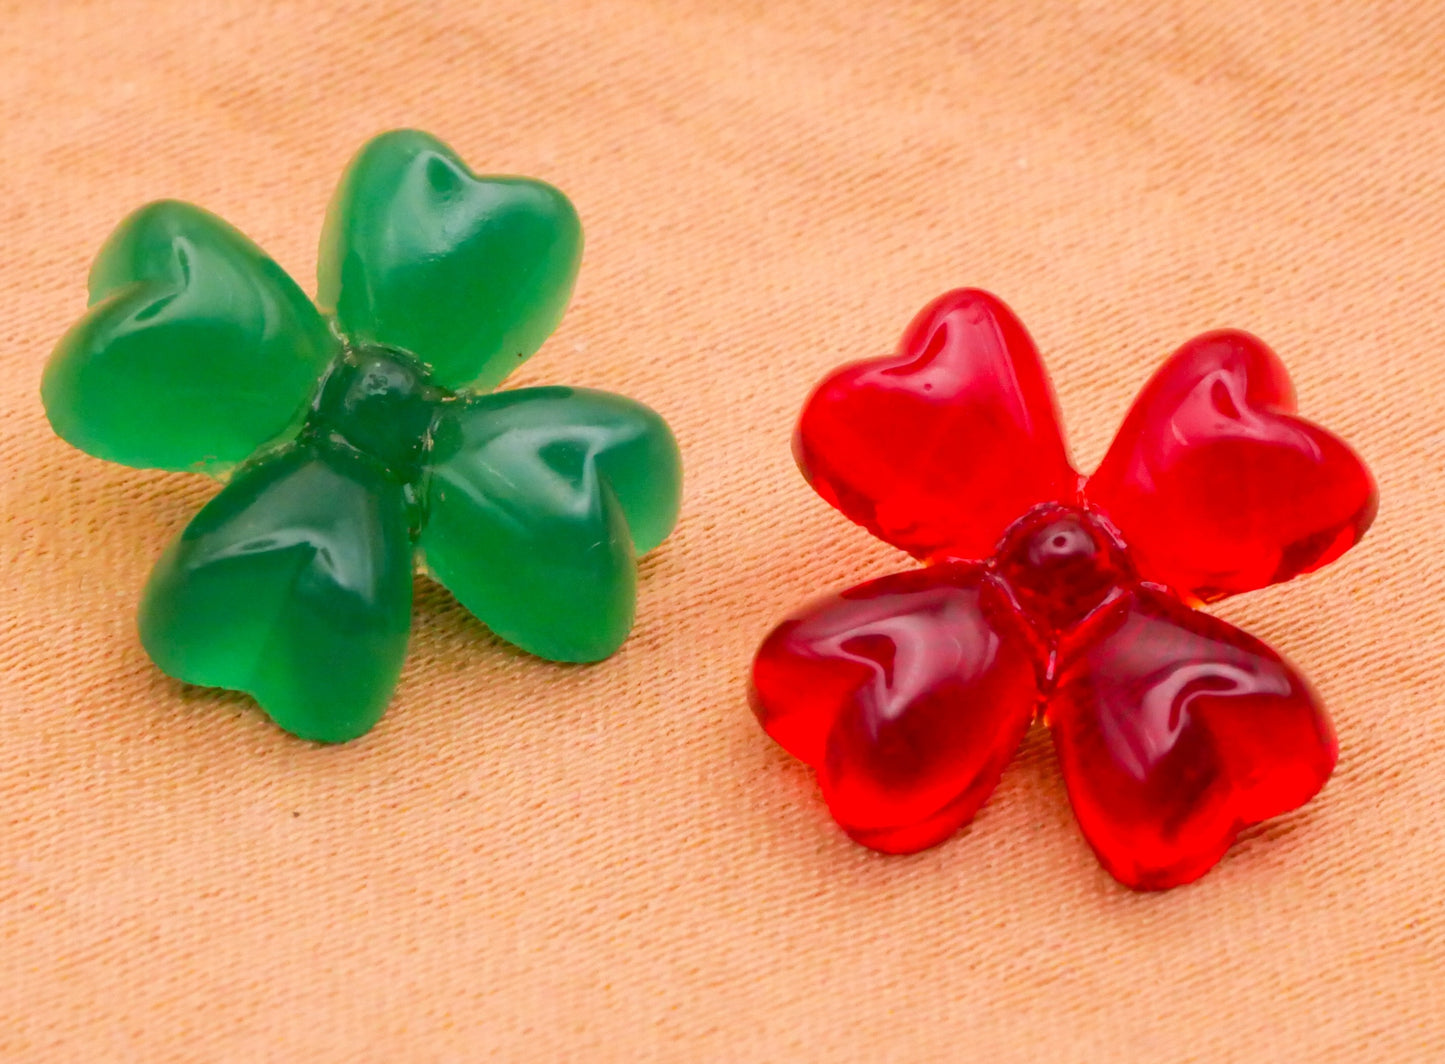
<point>939,448</point>
<point>1217,487</point>
<point>1175,731</point>
<point>909,694</point>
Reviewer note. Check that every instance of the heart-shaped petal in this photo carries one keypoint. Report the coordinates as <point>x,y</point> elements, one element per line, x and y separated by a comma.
<point>909,694</point>
<point>1215,484</point>
<point>939,448</point>
<point>293,585</point>
<point>1175,731</point>
<point>468,273</point>
<point>197,349</point>
<point>538,501</point>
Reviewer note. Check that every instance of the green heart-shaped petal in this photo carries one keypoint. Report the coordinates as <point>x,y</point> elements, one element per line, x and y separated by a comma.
<point>537,501</point>
<point>293,585</point>
<point>468,273</point>
<point>197,348</point>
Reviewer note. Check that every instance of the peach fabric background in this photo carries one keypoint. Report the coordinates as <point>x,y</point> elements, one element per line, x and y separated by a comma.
<point>535,862</point>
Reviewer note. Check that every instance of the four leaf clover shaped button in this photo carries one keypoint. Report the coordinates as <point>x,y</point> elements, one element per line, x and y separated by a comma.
<point>363,437</point>
<point>1048,594</point>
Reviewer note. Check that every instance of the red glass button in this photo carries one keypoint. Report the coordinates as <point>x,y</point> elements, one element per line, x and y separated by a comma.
<point>909,693</point>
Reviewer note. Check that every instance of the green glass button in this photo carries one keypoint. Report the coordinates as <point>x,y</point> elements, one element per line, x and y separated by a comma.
<point>360,438</point>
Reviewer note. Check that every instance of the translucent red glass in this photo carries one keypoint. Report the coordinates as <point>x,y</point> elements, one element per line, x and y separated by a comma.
<point>941,447</point>
<point>1215,483</point>
<point>866,687</point>
<point>1174,730</point>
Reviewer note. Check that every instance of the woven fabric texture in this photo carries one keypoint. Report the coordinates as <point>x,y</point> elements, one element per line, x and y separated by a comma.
<point>529,861</point>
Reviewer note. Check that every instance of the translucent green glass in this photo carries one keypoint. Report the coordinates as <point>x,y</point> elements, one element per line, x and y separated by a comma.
<point>197,348</point>
<point>355,452</point>
<point>538,502</point>
<point>293,585</point>
<point>470,274</point>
